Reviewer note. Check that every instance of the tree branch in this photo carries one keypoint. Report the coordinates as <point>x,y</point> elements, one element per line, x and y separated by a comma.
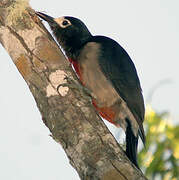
<point>68,112</point>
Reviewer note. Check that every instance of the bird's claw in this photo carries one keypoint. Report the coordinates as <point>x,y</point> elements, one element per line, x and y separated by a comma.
<point>73,84</point>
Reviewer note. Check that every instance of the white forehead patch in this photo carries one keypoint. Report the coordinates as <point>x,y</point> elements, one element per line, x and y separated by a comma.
<point>60,21</point>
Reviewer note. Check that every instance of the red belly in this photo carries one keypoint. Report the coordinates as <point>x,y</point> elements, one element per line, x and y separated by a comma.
<point>77,68</point>
<point>106,112</point>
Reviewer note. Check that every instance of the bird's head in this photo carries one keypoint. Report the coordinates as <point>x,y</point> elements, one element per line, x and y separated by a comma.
<point>71,33</point>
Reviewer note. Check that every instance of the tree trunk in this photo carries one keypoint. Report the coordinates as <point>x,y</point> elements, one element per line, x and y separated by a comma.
<point>67,112</point>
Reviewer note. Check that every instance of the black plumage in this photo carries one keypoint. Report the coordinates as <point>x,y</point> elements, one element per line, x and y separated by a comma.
<point>107,70</point>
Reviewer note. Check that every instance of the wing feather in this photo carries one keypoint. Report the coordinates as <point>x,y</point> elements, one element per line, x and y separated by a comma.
<point>119,69</point>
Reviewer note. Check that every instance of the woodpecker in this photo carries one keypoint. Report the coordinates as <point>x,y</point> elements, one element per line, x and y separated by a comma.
<point>106,69</point>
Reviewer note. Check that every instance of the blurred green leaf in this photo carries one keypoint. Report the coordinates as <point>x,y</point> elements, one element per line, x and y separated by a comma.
<point>160,158</point>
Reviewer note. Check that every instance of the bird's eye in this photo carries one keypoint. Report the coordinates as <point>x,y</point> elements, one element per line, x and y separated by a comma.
<point>65,23</point>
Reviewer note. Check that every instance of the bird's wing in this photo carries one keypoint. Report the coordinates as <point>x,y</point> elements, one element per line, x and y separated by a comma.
<point>119,69</point>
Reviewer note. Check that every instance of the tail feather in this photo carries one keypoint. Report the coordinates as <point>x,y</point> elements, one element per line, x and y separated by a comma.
<point>131,144</point>
<point>142,135</point>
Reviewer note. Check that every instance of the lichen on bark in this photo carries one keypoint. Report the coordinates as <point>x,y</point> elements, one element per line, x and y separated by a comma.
<point>70,116</point>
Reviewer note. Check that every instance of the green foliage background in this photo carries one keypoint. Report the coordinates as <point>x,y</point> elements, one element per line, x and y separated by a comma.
<point>160,157</point>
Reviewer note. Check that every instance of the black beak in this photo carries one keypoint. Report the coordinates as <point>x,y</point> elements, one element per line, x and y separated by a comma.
<point>45,17</point>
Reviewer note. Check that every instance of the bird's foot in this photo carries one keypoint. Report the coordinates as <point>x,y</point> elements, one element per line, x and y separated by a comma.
<point>77,86</point>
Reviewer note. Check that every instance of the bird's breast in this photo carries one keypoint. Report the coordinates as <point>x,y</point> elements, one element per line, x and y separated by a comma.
<point>100,102</point>
<point>76,67</point>
<point>91,76</point>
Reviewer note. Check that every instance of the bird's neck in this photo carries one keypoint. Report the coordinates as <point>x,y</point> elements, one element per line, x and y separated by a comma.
<point>73,46</point>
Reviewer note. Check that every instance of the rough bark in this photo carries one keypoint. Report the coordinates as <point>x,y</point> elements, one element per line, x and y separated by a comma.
<point>68,112</point>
